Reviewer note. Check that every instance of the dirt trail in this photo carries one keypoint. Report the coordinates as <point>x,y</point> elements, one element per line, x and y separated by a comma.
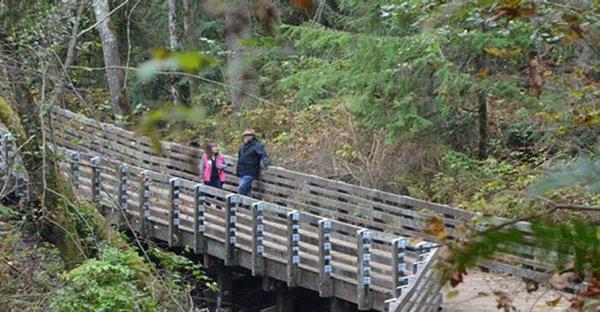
<point>476,293</point>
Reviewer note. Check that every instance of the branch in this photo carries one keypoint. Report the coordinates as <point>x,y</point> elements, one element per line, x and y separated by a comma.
<point>102,20</point>
<point>554,206</point>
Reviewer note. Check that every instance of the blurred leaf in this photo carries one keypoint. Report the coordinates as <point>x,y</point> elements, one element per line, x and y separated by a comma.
<point>190,61</point>
<point>584,172</point>
<point>503,53</point>
<point>150,124</point>
<point>452,294</point>
<point>553,303</point>
<point>435,227</point>
<point>563,281</point>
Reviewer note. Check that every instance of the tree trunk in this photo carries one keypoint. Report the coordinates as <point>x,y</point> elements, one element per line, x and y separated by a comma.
<point>114,73</point>
<point>73,40</point>
<point>483,114</point>
<point>189,32</point>
<point>483,127</point>
<point>241,71</point>
<point>173,43</point>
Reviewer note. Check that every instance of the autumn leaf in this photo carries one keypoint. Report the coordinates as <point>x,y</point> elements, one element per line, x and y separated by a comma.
<point>532,285</point>
<point>593,290</point>
<point>452,294</point>
<point>482,73</point>
<point>457,278</point>
<point>435,227</point>
<point>503,300</point>
<point>161,53</point>
<point>553,303</point>
<point>503,53</point>
<point>535,74</point>
<point>306,4</point>
<point>564,280</point>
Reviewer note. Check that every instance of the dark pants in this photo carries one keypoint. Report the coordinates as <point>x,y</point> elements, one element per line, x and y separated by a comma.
<point>214,183</point>
<point>245,187</point>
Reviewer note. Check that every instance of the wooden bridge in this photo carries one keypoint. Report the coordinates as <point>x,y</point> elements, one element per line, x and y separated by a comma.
<point>360,245</point>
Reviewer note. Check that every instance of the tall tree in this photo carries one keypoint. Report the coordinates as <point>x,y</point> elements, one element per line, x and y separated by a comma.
<point>173,43</point>
<point>189,31</point>
<point>110,49</point>
<point>241,71</point>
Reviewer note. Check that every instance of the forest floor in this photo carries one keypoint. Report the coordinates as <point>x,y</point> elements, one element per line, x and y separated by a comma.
<point>476,293</point>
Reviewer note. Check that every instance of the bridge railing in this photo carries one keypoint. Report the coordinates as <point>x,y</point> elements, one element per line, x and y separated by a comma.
<point>381,267</point>
<point>369,208</point>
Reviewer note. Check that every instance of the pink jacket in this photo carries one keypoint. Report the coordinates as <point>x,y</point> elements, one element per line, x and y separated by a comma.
<point>207,168</point>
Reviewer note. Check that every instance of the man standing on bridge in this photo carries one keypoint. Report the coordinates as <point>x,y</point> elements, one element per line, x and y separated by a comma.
<point>251,153</point>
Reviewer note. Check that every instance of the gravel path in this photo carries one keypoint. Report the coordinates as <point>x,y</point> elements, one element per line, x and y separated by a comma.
<point>476,293</point>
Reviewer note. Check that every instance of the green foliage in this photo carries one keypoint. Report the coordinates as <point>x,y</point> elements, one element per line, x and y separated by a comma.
<point>190,61</point>
<point>151,123</point>
<point>571,245</point>
<point>182,268</point>
<point>104,284</point>
<point>584,172</point>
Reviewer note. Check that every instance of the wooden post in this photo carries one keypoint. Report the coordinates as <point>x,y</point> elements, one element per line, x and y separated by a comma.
<point>364,268</point>
<point>144,208</point>
<point>230,221</point>
<point>199,219</point>
<point>258,249</point>
<point>75,158</point>
<point>284,301</point>
<point>325,265</point>
<point>293,247</point>
<point>422,249</point>
<point>225,282</point>
<point>96,160</point>
<point>398,266</point>
<point>7,140</point>
<point>122,194</point>
<point>174,220</point>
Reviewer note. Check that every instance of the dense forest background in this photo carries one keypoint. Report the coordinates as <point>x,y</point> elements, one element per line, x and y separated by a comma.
<point>460,102</point>
<point>487,105</point>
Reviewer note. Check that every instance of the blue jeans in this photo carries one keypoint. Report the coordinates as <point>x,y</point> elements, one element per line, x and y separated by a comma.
<point>214,183</point>
<point>245,187</point>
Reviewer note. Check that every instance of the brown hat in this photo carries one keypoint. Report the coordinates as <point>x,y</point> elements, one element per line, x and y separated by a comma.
<point>248,131</point>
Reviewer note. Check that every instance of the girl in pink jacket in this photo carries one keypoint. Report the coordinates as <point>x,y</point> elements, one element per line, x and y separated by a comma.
<point>212,166</point>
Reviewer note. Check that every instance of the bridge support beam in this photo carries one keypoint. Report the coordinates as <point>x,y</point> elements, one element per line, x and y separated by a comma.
<point>285,301</point>
<point>339,305</point>
<point>225,295</point>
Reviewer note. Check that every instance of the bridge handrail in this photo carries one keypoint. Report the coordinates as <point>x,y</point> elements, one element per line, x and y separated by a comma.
<point>369,208</point>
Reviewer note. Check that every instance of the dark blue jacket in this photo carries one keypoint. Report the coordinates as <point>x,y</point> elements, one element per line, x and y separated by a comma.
<point>249,158</point>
